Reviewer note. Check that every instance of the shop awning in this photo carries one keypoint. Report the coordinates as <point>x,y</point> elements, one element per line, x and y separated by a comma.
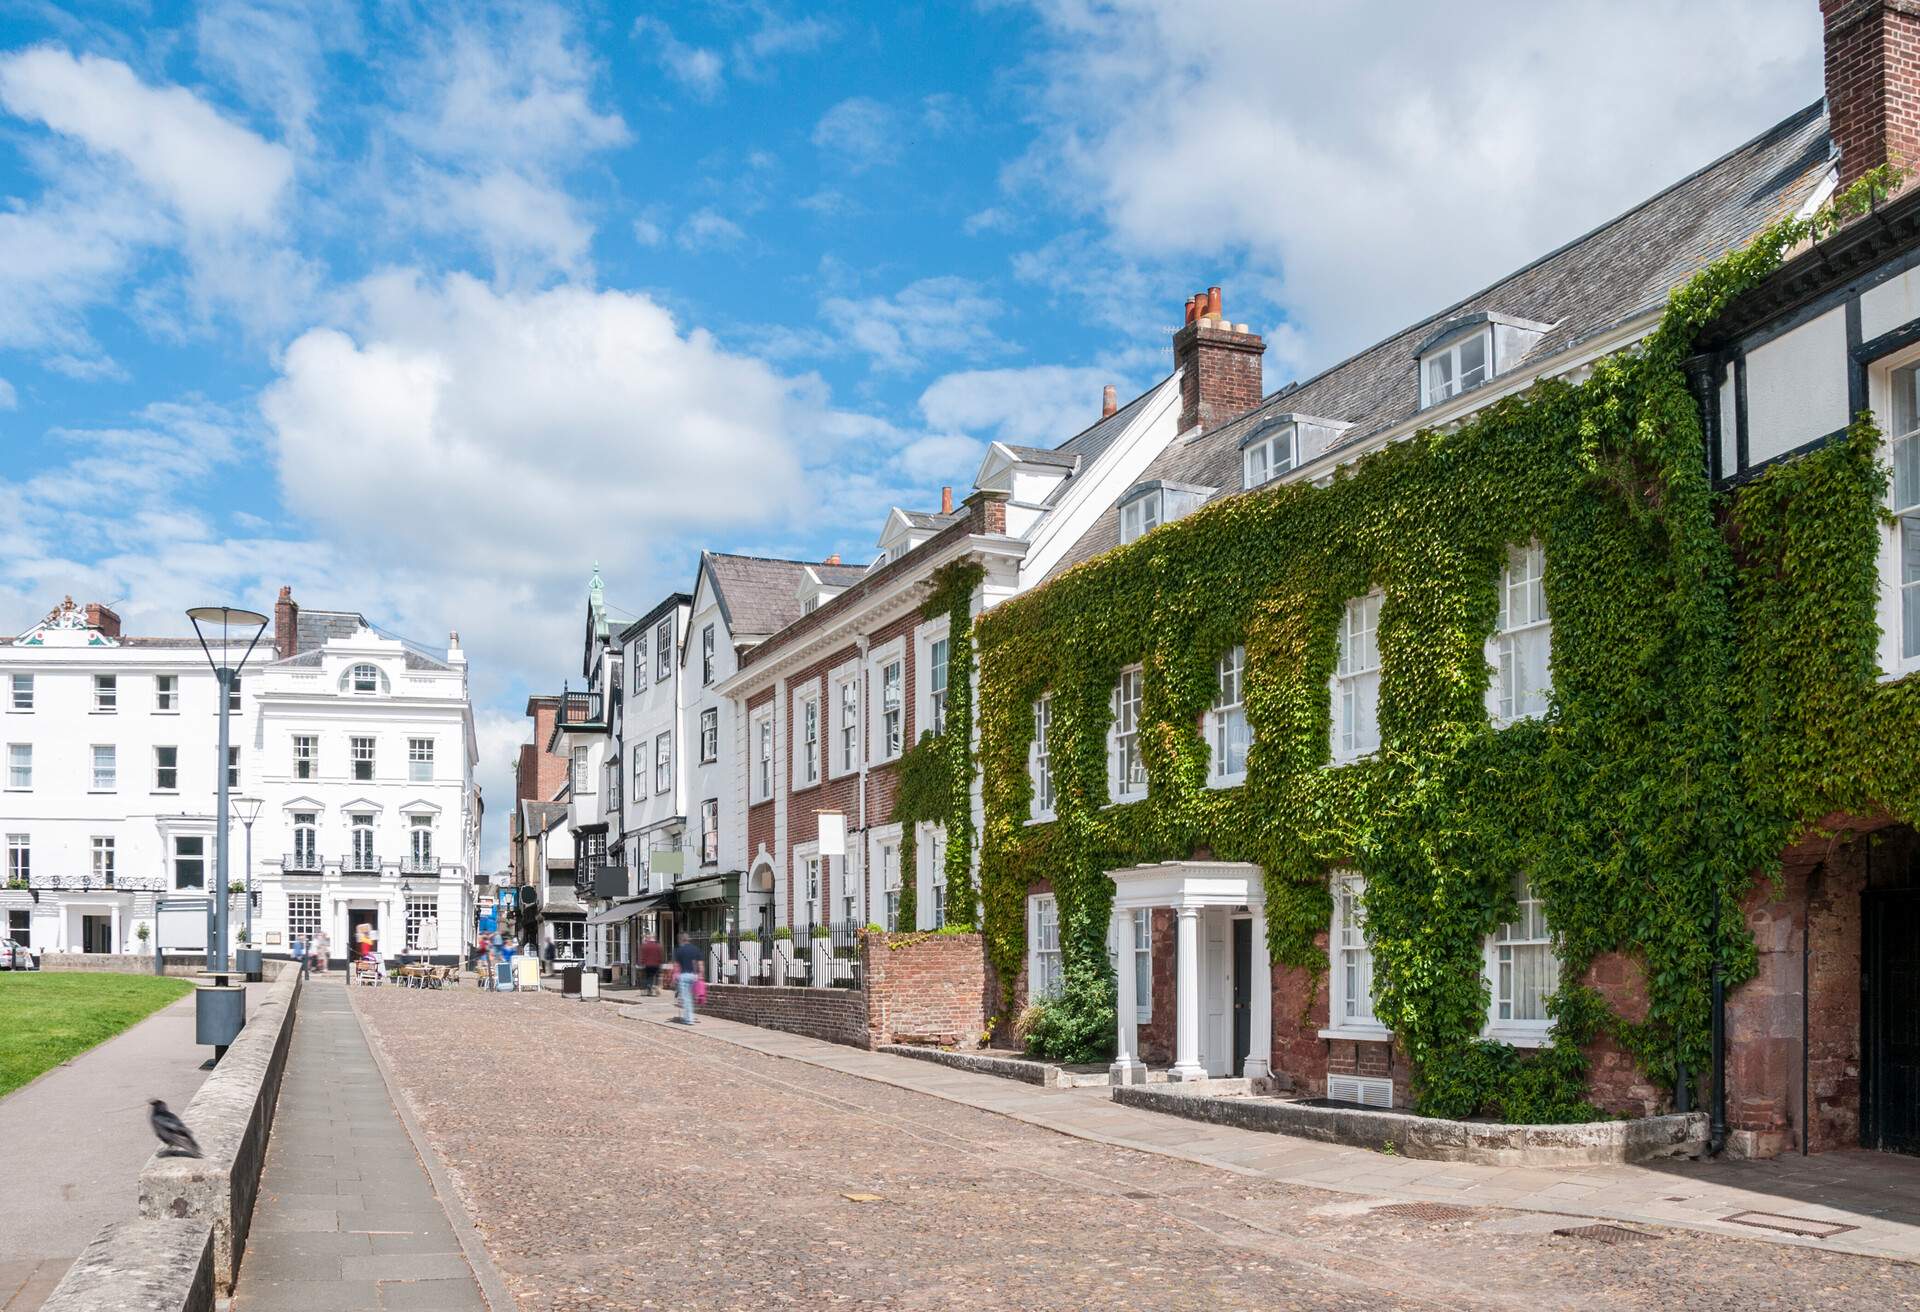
<point>626,907</point>
<point>713,888</point>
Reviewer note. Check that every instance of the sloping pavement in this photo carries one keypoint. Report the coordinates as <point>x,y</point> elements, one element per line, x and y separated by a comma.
<point>348,1218</point>
<point>1875,1196</point>
<point>74,1141</point>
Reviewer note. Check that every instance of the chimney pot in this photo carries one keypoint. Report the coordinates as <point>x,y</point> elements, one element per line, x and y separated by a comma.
<point>1213,302</point>
<point>946,500</point>
<point>1109,401</point>
<point>1190,310</point>
<point>834,559</point>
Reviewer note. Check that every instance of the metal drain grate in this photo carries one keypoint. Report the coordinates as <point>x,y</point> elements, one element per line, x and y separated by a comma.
<point>1603,1234</point>
<point>1425,1211</point>
<point>1791,1225</point>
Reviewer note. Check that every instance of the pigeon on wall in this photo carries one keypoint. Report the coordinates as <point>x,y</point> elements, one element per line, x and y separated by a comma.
<point>172,1131</point>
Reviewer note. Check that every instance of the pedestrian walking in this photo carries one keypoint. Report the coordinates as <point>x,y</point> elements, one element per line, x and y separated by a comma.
<point>317,952</point>
<point>547,953</point>
<point>299,952</point>
<point>686,962</point>
<point>651,956</point>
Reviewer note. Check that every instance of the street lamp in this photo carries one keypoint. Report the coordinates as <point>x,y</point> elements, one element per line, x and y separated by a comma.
<point>246,810</point>
<point>229,618</point>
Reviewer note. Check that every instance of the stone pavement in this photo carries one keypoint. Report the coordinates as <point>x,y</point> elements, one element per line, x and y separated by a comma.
<point>347,1218</point>
<point>75,1139</point>
<point>1876,1196</point>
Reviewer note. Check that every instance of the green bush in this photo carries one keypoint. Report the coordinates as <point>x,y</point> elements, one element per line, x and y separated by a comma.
<point>749,936</point>
<point>821,931</point>
<point>783,934</point>
<point>1075,1025</point>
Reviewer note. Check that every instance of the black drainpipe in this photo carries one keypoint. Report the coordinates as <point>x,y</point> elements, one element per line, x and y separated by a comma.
<point>1717,1125</point>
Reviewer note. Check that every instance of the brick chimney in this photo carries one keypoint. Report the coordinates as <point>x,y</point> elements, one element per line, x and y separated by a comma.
<point>1219,363</point>
<point>286,624</point>
<point>1873,83</point>
<point>103,619</point>
<point>1109,401</point>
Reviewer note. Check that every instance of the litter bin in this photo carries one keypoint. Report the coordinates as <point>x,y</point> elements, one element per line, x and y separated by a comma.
<point>589,985</point>
<point>570,982</point>
<point>247,962</point>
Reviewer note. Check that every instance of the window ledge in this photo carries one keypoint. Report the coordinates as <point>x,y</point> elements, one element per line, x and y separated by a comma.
<point>1359,1033</point>
<point>1519,1038</point>
<point>159,711</point>
<point>1226,781</point>
<point>1046,819</point>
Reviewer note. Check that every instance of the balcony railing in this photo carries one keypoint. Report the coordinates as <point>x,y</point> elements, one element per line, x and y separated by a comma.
<point>360,863</point>
<point>581,710</point>
<point>420,865</point>
<point>295,863</point>
<point>98,883</point>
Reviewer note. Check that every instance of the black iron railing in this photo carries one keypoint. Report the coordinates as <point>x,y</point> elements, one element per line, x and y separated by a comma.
<point>420,865</point>
<point>296,863</point>
<point>360,863</point>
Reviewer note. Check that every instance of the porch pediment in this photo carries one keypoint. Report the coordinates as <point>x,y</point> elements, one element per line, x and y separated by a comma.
<point>1189,884</point>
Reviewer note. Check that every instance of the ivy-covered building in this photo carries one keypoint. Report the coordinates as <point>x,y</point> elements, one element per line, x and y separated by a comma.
<point>1493,721</point>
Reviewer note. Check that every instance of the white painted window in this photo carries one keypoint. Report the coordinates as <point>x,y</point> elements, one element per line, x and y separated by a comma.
<point>937,875</point>
<point>420,844</point>
<point>810,881</point>
<point>663,762</point>
<point>1227,721</point>
<point>365,679</point>
<point>892,708</point>
<point>1039,759</point>
<point>106,768</point>
<point>233,767</point>
<point>640,663</point>
<point>106,693</point>
<point>580,776</point>
<point>846,728</point>
<point>306,756</point>
<point>710,734</point>
<point>937,685</point>
<point>419,911</point>
<point>360,750</point>
<point>706,655</point>
<point>303,917</point>
<point>1044,973</point>
<point>19,858</point>
<point>763,757</point>
<point>22,693</point>
<point>710,831</point>
<point>663,650</point>
<point>1142,961</point>
<point>1356,680</point>
<point>233,692</point>
<point>1140,516</point>
<point>362,856</point>
<point>1271,456</point>
<point>166,692</point>
<point>1521,650</point>
<point>189,861</point>
<point>103,861</point>
<point>1452,369</point>
<point>166,769</point>
<point>1352,964</point>
<point>1523,966</point>
<point>20,765</point>
<point>890,881</point>
<point>1904,450</point>
<point>806,743</point>
<point>1126,768</point>
<point>420,760</point>
<point>306,847</point>
<point>639,770</point>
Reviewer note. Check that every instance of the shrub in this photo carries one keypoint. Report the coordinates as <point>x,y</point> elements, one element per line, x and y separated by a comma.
<point>1075,1025</point>
<point>821,931</point>
<point>783,934</point>
<point>749,936</point>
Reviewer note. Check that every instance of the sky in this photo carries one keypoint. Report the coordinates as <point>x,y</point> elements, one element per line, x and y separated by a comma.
<point>428,310</point>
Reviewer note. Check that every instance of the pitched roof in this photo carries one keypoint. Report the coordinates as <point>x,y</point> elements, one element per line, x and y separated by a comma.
<point>1614,274</point>
<point>315,627</point>
<point>1036,455</point>
<point>931,519</point>
<point>758,595</point>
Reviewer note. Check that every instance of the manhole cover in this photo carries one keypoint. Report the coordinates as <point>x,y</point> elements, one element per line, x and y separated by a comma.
<point>1425,1211</point>
<point>1792,1225</point>
<point>1602,1234</point>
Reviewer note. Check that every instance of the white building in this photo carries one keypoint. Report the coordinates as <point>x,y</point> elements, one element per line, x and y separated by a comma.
<point>360,748</point>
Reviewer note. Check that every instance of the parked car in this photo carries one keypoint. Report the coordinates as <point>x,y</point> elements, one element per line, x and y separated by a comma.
<point>17,956</point>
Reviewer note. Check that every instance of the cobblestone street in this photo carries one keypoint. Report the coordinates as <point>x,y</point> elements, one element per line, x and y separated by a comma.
<point>612,1164</point>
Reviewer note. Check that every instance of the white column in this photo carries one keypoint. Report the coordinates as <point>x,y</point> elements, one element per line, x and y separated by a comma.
<point>1260,1023</point>
<point>1126,1068</point>
<point>1186,1040</point>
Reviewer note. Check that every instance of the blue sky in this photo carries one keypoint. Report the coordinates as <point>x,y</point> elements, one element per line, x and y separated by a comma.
<point>427,309</point>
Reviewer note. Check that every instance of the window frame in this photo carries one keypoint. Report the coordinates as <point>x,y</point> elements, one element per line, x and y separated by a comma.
<point>709,734</point>
<point>416,759</point>
<point>19,759</point>
<point>760,785</point>
<point>1533,1032</point>
<point>365,856</point>
<point>707,648</point>
<point>663,763</point>
<point>307,824</point>
<point>21,681</point>
<point>1040,806</point>
<point>1219,718</point>
<point>104,859</point>
<point>166,778</point>
<point>663,650</point>
<point>303,917</point>
<point>371,680</point>
<point>1355,680</point>
<point>361,753</point>
<point>642,663</point>
<point>20,857</point>
<point>1450,351</point>
<point>1125,760</point>
<point>306,756</point>
<point>710,831</point>
<point>110,774</point>
<point>1046,965</point>
<point>1139,502</point>
<point>1348,888</point>
<point>1265,447</point>
<point>178,861</point>
<point>106,694</point>
<point>1510,642</point>
<point>1142,961</point>
<point>805,770</point>
<point>233,766</point>
<point>845,750</point>
<point>166,694</point>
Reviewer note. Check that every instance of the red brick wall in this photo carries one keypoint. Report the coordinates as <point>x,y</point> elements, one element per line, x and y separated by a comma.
<point>835,1015</point>
<point>1222,376</point>
<point>1873,82</point>
<point>842,794</point>
<point>760,830</point>
<point>926,988</point>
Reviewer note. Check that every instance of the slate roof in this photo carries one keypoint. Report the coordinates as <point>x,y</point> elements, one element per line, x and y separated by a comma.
<point>315,627</point>
<point>930,519</point>
<point>1036,455</point>
<point>759,596</point>
<point>1621,270</point>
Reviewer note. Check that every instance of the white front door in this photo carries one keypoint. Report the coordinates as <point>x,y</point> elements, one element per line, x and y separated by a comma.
<point>1216,982</point>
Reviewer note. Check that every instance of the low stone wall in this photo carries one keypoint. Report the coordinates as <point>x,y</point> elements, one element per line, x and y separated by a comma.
<point>232,1117</point>
<point>140,1266</point>
<point>1024,1069</point>
<point>120,963</point>
<point>928,989</point>
<point>1595,1143</point>
<point>836,1015</point>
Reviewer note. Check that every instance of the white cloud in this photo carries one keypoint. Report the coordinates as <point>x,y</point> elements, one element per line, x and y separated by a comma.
<point>778,36</point>
<point>1382,166</point>
<point>9,399</point>
<point>990,219</point>
<point>518,220</point>
<point>696,68</point>
<point>861,131</point>
<point>708,229</point>
<point>952,456</point>
<point>216,175</point>
<point>1041,405</point>
<point>274,53</point>
<point>649,227</point>
<point>930,316</point>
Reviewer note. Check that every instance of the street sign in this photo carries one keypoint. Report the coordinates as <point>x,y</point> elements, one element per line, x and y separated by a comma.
<point>833,833</point>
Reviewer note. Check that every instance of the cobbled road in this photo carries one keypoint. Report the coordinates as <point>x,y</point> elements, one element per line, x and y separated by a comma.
<point>612,1164</point>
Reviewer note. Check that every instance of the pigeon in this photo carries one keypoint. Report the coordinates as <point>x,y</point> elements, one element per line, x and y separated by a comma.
<point>172,1131</point>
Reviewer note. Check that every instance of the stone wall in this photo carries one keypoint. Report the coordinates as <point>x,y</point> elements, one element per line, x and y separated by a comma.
<point>120,963</point>
<point>1616,1082</point>
<point>835,1015</point>
<point>925,988</point>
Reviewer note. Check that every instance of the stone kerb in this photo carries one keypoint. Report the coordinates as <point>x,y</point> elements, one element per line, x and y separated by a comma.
<point>928,989</point>
<point>232,1117</point>
<point>140,1266</point>
<point>1429,1138</point>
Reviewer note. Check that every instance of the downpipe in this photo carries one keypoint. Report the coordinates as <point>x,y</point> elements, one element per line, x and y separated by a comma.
<point>1717,1119</point>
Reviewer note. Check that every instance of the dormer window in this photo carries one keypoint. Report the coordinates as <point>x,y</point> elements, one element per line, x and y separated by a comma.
<point>364,680</point>
<point>1150,505</point>
<point>1269,453</point>
<point>1465,352</point>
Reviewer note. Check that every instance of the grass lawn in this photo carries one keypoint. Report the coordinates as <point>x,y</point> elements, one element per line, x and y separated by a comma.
<point>46,1018</point>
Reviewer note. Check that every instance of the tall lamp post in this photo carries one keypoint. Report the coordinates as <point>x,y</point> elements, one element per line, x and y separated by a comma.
<point>246,810</point>
<point>220,1011</point>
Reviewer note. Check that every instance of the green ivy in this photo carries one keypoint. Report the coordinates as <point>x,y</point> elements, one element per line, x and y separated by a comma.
<point>1642,805</point>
